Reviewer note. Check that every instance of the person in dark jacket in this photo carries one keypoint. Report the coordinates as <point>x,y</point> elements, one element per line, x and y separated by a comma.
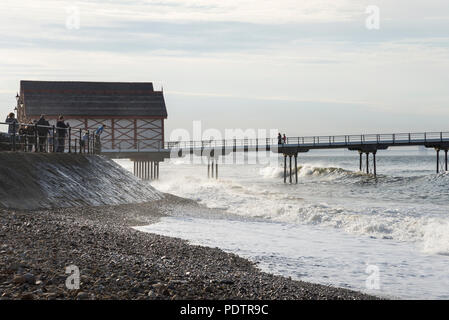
<point>13,127</point>
<point>13,123</point>
<point>31,136</point>
<point>43,128</point>
<point>61,131</point>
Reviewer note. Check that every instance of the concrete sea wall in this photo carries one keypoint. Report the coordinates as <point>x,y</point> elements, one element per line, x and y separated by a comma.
<point>37,181</point>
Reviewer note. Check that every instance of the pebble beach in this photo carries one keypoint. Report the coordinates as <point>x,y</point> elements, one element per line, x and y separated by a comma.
<point>116,261</point>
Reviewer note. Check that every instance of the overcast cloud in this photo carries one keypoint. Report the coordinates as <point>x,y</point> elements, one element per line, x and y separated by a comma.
<point>308,67</point>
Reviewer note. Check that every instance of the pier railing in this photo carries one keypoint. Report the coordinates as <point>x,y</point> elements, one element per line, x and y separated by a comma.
<point>31,137</point>
<point>391,139</point>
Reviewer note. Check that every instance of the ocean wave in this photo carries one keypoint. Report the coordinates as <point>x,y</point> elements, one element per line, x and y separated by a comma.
<point>390,207</point>
<point>310,171</point>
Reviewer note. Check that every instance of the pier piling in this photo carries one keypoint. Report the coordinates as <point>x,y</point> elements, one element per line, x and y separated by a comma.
<point>360,166</point>
<point>367,163</point>
<point>290,169</point>
<point>438,160</point>
<point>296,168</point>
<point>285,168</point>
<point>208,168</point>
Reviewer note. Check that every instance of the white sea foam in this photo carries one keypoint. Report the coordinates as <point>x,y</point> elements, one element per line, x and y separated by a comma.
<point>326,196</point>
<point>407,205</point>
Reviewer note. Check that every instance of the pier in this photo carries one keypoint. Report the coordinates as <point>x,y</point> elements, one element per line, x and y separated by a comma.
<point>147,157</point>
<point>364,144</point>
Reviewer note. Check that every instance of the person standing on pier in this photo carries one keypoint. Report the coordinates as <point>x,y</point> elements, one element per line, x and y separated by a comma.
<point>12,121</point>
<point>43,127</point>
<point>284,139</point>
<point>61,127</point>
<point>31,135</point>
<point>84,141</point>
<point>98,132</point>
<point>279,138</point>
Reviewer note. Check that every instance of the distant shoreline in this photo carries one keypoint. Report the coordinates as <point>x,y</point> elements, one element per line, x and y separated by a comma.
<point>118,262</point>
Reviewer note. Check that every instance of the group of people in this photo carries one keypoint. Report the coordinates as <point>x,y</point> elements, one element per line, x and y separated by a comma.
<point>39,133</point>
<point>25,135</point>
<point>282,139</point>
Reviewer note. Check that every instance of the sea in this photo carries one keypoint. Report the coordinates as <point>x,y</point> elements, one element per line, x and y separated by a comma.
<point>386,235</point>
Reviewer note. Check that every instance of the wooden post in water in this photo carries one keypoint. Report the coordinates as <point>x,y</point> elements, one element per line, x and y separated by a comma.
<point>438,160</point>
<point>445,159</point>
<point>146,170</point>
<point>374,163</point>
<point>151,170</point>
<point>208,168</point>
<point>290,168</point>
<point>296,168</point>
<point>360,154</point>
<point>212,172</point>
<point>140,169</point>
<point>216,170</point>
<point>367,163</point>
<point>285,168</point>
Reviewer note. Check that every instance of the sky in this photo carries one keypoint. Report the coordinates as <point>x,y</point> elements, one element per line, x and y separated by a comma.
<point>304,67</point>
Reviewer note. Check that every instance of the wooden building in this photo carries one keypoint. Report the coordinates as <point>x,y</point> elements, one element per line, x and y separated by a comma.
<point>133,113</point>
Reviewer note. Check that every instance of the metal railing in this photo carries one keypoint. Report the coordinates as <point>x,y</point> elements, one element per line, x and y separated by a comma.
<point>318,141</point>
<point>131,145</point>
<point>31,137</point>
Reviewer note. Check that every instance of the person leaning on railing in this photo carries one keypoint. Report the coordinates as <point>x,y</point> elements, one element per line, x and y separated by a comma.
<point>98,132</point>
<point>83,141</point>
<point>61,130</point>
<point>30,136</point>
<point>22,138</point>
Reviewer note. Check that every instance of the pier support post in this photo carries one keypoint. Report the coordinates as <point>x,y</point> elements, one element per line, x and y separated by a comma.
<point>445,159</point>
<point>290,169</point>
<point>285,168</point>
<point>134,170</point>
<point>367,163</point>
<point>212,172</point>
<point>151,170</point>
<point>374,163</point>
<point>148,170</point>
<point>208,168</point>
<point>360,166</point>
<point>216,170</point>
<point>296,168</point>
<point>140,169</point>
<point>438,160</point>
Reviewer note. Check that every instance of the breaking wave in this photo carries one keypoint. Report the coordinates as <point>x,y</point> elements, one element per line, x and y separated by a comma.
<point>405,208</point>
